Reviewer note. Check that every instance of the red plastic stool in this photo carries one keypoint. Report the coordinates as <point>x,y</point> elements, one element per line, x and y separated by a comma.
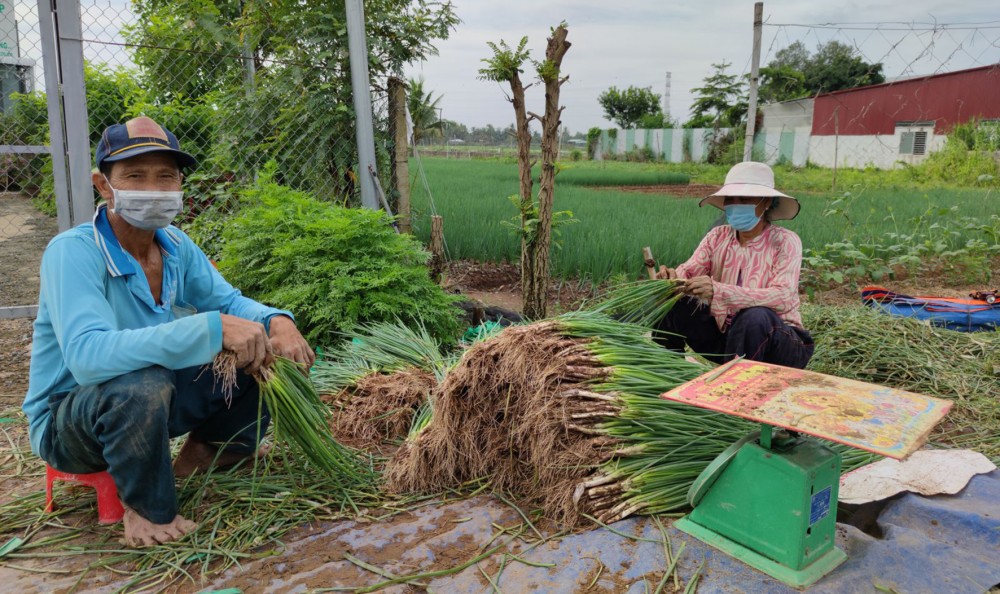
<point>109,507</point>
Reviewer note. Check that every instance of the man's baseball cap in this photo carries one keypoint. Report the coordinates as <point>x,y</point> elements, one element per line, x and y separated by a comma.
<point>136,137</point>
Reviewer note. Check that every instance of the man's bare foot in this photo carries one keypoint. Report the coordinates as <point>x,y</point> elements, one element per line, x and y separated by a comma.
<point>197,455</point>
<point>140,532</point>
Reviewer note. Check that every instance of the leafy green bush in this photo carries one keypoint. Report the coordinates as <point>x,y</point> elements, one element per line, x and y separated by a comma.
<point>593,137</point>
<point>957,164</point>
<point>210,201</point>
<point>333,267</point>
<point>938,242</point>
<point>978,135</point>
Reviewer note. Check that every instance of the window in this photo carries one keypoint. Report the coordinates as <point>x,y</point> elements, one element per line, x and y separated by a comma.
<point>913,137</point>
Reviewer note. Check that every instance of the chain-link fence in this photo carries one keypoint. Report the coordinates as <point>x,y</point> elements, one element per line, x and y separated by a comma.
<point>237,82</point>
<point>236,90</point>
<point>24,158</point>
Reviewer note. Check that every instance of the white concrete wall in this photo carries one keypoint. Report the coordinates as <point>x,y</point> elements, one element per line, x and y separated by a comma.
<point>656,141</point>
<point>788,114</point>
<point>879,150</point>
<point>800,155</point>
<point>767,142</point>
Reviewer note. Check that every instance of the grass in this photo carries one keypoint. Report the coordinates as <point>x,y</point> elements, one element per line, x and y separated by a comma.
<point>473,198</point>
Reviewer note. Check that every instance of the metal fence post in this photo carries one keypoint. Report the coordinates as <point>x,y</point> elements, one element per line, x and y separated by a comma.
<point>361,85</point>
<point>57,142</point>
<point>66,96</point>
<point>74,96</point>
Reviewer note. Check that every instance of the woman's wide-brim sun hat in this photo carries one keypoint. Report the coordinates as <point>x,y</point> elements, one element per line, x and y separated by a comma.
<point>752,179</point>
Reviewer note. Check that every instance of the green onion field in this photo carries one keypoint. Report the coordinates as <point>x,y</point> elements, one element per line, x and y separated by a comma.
<point>868,208</point>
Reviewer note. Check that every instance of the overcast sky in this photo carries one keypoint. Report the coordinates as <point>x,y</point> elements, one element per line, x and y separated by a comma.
<point>636,42</point>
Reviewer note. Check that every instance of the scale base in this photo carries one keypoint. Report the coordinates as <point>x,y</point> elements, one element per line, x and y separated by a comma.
<point>795,578</point>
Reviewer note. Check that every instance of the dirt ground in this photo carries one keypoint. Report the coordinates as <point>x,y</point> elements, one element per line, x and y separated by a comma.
<point>674,190</point>
<point>24,233</point>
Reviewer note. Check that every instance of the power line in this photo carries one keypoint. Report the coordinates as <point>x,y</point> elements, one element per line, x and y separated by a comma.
<point>893,27</point>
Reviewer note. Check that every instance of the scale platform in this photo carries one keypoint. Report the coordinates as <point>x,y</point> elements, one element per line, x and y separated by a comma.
<point>770,499</point>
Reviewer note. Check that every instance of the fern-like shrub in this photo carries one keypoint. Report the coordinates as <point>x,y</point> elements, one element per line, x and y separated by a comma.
<point>333,267</point>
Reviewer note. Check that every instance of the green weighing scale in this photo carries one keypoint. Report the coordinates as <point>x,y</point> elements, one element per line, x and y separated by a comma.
<point>770,499</point>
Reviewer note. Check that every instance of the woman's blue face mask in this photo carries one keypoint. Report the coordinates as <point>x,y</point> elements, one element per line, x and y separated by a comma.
<point>742,217</point>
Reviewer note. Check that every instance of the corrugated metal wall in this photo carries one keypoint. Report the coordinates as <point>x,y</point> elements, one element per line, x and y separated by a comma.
<point>946,99</point>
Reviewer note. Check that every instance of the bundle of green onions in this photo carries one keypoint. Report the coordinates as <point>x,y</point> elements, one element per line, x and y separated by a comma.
<point>530,409</point>
<point>643,302</point>
<point>378,348</point>
<point>379,382</point>
<point>299,418</point>
<point>663,445</point>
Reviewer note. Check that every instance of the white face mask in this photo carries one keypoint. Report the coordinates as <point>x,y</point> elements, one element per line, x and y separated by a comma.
<point>147,209</point>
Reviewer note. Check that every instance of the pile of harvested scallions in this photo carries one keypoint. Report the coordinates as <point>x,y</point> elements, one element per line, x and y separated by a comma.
<point>566,414</point>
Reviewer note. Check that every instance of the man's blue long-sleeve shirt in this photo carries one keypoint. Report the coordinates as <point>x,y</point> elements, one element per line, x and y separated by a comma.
<point>97,318</point>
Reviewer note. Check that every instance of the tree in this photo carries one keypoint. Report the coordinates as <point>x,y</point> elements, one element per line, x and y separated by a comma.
<point>627,107</point>
<point>837,66</point>
<point>506,65</point>
<point>720,103</point>
<point>298,109</point>
<point>178,45</point>
<point>794,73</point>
<point>795,56</point>
<point>784,77</point>
<point>423,109</point>
<point>654,121</point>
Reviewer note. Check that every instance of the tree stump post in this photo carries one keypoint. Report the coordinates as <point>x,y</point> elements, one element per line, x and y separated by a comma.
<point>647,257</point>
<point>437,264</point>
<point>401,152</point>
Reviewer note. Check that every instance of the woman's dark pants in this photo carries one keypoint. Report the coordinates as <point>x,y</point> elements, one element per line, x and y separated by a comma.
<point>756,333</point>
<point>124,426</point>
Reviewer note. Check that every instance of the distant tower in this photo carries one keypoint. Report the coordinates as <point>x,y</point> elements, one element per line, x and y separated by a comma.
<point>666,98</point>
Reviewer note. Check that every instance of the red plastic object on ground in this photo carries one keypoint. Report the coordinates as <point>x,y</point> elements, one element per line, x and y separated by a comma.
<point>109,507</point>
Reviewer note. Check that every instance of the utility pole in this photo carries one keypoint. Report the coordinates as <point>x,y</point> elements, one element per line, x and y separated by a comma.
<point>666,98</point>
<point>440,124</point>
<point>758,13</point>
<point>361,90</point>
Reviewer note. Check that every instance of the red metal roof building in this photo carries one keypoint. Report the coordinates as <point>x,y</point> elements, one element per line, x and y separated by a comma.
<point>885,124</point>
<point>945,99</point>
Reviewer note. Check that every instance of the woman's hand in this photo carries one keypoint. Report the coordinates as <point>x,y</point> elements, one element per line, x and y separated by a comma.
<point>699,287</point>
<point>666,273</point>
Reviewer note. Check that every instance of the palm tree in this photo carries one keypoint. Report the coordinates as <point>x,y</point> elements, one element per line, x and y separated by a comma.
<point>423,110</point>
